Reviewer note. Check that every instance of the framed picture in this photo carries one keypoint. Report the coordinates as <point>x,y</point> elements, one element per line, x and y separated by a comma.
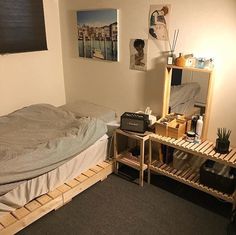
<point>158,22</point>
<point>98,34</point>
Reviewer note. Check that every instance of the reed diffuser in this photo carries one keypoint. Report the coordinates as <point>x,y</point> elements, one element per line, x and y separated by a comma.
<point>170,58</point>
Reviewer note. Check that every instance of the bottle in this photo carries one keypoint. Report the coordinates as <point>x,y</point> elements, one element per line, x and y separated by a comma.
<point>194,123</point>
<point>199,127</point>
<point>180,61</point>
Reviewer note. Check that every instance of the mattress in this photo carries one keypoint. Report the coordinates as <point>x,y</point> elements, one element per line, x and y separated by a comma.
<point>27,190</point>
<point>39,138</point>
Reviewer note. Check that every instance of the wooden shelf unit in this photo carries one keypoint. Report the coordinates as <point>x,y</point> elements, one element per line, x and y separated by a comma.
<point>126,158</point>
<point>189,177</point>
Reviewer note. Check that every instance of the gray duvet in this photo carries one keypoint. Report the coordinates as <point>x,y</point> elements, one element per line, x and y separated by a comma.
<point>39,138</point>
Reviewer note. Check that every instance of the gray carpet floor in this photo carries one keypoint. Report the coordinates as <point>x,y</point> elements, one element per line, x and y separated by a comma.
<point>118,206</point>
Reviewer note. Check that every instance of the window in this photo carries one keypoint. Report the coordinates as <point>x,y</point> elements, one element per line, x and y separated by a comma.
<point>22,26</point>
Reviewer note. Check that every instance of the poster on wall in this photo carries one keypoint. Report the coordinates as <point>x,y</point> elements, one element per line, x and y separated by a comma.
<point>98,34</point>
<point>138,54</point>
<point>158,22</point>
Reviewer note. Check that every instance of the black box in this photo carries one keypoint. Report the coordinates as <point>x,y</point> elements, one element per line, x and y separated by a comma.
<point>136,122</point>
<point>212,176</point>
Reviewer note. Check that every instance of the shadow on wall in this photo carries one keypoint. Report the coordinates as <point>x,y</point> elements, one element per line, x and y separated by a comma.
<point>154,84</point>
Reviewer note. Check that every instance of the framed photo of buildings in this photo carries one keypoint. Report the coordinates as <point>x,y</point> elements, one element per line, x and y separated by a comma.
<point>98,34</point>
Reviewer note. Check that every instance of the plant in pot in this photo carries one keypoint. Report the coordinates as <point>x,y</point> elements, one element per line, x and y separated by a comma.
<point>222,142</point>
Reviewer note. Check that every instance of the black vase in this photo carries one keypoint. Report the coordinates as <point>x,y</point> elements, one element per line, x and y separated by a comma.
<point>222,146</point>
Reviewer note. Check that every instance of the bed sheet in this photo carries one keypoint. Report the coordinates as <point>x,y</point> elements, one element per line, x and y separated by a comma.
<point>39,138</point>
<point>27,190</point>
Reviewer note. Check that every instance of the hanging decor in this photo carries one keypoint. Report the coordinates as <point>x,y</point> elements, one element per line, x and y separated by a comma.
<point>138,54</point>
<point>98,34</point>
<point>158,22</point>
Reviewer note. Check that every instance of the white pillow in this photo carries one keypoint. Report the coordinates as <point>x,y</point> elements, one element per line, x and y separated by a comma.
<point>82,108</point>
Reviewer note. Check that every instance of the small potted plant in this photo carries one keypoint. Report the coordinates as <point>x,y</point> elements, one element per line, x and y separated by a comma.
<point>222,142</point>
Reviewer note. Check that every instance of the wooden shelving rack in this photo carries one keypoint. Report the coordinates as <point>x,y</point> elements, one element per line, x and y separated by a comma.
<point>205,150</point>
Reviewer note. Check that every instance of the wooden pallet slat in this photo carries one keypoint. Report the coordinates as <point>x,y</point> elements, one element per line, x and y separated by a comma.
<point>64,188</point>
<point>43,199</point>
<point>96,169</point>
<point>20,213</point>
<point>55,193</point>
<point>7,219</point>
<point>81,178</point>
<point>103,164</point>
<point>72,183</point>
<point>33,205</point>
<point>1,227</point>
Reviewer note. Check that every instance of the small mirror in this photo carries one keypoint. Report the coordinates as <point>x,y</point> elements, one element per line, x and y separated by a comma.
<point>187,91</point>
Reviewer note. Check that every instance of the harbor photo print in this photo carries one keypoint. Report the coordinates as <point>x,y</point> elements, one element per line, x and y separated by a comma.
<point>98,34</point>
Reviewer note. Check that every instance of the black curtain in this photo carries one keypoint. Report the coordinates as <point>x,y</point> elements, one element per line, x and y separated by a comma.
<point>22,26</point>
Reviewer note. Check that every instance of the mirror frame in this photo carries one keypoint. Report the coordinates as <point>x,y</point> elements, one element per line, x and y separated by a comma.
<point>167,88</point>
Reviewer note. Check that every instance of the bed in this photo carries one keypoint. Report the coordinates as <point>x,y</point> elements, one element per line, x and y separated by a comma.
<point>43,146</point>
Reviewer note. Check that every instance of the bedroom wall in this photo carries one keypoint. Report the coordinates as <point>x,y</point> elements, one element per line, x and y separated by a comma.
<point>207,28</point>
<point>34,77</point>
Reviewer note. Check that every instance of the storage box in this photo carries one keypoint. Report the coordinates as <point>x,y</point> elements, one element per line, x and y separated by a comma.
<point>218,176</point>
<point>161,128</point>
<point>176,128</point>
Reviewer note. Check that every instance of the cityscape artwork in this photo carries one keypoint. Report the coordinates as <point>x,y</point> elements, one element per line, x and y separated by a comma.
<point>98,34</point>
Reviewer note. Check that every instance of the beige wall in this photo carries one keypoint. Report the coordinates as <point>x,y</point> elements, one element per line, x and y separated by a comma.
<point>34,77</point>
<point>207,28</point>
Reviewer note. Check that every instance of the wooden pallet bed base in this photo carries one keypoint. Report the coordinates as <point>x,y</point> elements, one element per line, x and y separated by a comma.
<point>11,223</point>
